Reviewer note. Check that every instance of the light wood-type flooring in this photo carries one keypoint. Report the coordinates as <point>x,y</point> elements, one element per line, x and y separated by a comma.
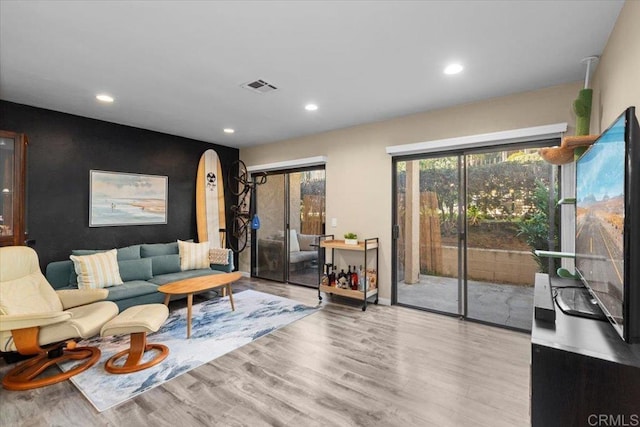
<point>388,366</point>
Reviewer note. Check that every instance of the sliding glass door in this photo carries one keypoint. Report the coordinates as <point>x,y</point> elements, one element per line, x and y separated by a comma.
<point>507,198</point>
<point>291,207</point>
<point>306,223</point>
<point>428,245</point>
<point>268,242</point>
<point>466,225</point>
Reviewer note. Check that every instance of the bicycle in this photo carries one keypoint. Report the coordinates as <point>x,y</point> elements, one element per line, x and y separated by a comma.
<point>243,187</point>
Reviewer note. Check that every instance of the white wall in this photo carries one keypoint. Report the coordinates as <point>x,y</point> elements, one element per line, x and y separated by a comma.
<point>616,82</point>
<point>358,171</point>
<point>616,86</point>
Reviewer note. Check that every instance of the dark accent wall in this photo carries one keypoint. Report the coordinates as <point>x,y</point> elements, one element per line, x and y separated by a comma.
<point>63,148</point>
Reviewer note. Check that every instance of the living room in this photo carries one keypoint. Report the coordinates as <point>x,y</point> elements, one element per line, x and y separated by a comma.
<point>64,147</point>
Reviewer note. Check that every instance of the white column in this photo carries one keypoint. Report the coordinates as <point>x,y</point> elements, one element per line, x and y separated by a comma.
<point>568,214</point>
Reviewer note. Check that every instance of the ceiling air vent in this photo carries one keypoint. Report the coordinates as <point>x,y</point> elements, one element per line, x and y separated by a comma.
<point>259,86</point>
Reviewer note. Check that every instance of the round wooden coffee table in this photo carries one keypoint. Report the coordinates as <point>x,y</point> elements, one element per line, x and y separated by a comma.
<point>199,284</point>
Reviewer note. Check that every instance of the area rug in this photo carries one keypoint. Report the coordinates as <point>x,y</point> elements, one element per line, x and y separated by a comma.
<point>215,331</point>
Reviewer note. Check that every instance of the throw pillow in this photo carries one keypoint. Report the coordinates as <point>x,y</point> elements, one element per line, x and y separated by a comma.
<point>98,270</point>
<point>219,256</point>
<point>193,255</point>
<point>308,242</point>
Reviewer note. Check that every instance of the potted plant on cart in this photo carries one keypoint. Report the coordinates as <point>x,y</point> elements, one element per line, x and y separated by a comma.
<point>351,239</point>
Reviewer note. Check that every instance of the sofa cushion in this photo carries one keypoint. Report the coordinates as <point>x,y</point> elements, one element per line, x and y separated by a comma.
<point>155,249</point>
<point>124,254</point>
<point>99,270</point>
<point>301,256</point>
<point>193,255</point>
<point>163,279</point>
<point>59,274</point>
<point>131,289</point>
<point>83,252</point>
<point>128,253</point>
<point>136,269</point>
<point>225,268</point>
<point>163,264</point>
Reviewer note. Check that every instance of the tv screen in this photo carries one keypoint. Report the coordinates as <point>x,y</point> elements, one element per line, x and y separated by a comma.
<point>604,219</point>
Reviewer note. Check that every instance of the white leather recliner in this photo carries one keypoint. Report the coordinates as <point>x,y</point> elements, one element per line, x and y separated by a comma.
<point>37,320</point>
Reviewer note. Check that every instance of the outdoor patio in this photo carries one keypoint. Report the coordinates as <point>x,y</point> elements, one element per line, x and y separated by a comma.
<point>502,304</point>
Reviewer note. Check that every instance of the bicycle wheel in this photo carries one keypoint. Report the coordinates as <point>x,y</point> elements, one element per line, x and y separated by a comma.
<point>260,178</point>
<point>239,234</point>
<point>237,178</point>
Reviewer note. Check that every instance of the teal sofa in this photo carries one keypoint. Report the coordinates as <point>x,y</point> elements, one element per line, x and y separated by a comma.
<point>142,267</point>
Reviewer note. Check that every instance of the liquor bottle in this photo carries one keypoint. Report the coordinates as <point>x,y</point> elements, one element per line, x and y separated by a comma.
<point>332,276</point>
<point>354,279</point>
<point>324,280</point>
<point>342,279</point>
<point>349,278</point>
<point>363,279</point>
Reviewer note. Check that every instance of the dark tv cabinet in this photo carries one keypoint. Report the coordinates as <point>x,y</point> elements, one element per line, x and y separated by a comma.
<point>581,370</point>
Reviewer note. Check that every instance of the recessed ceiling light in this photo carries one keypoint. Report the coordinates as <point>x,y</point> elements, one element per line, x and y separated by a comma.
<point>311,107</point>
<point>453,69</point>
<point>228,130</point>
<point>103,97</point>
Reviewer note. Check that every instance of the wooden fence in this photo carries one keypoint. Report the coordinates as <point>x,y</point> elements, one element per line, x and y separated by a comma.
<point>312,215</point>
<point>430,234</point>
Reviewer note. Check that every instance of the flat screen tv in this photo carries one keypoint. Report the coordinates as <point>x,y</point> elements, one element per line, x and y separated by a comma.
<point>608,223</point>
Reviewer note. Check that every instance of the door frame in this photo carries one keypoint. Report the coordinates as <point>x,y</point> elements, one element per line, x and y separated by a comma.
<point>462,220</point>
<point>286,221</point>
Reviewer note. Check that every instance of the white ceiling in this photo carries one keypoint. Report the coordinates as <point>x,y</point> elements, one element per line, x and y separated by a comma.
<point>177,67</point>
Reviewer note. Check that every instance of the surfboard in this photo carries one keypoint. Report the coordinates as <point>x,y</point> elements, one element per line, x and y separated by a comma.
<point>210,216</point>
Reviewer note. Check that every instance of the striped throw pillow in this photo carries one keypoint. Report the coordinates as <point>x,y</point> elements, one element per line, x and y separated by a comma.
<point>193,255</point>
<point>98,270</point>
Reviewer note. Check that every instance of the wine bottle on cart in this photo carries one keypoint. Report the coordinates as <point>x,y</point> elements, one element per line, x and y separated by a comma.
<point>324,280</point>
<point>332,277</point>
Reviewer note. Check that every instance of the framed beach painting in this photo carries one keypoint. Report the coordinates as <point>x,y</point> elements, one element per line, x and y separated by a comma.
<point>117,198</point>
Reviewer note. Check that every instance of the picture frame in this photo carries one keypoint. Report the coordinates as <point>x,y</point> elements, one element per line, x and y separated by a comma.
<point>120,198</point>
